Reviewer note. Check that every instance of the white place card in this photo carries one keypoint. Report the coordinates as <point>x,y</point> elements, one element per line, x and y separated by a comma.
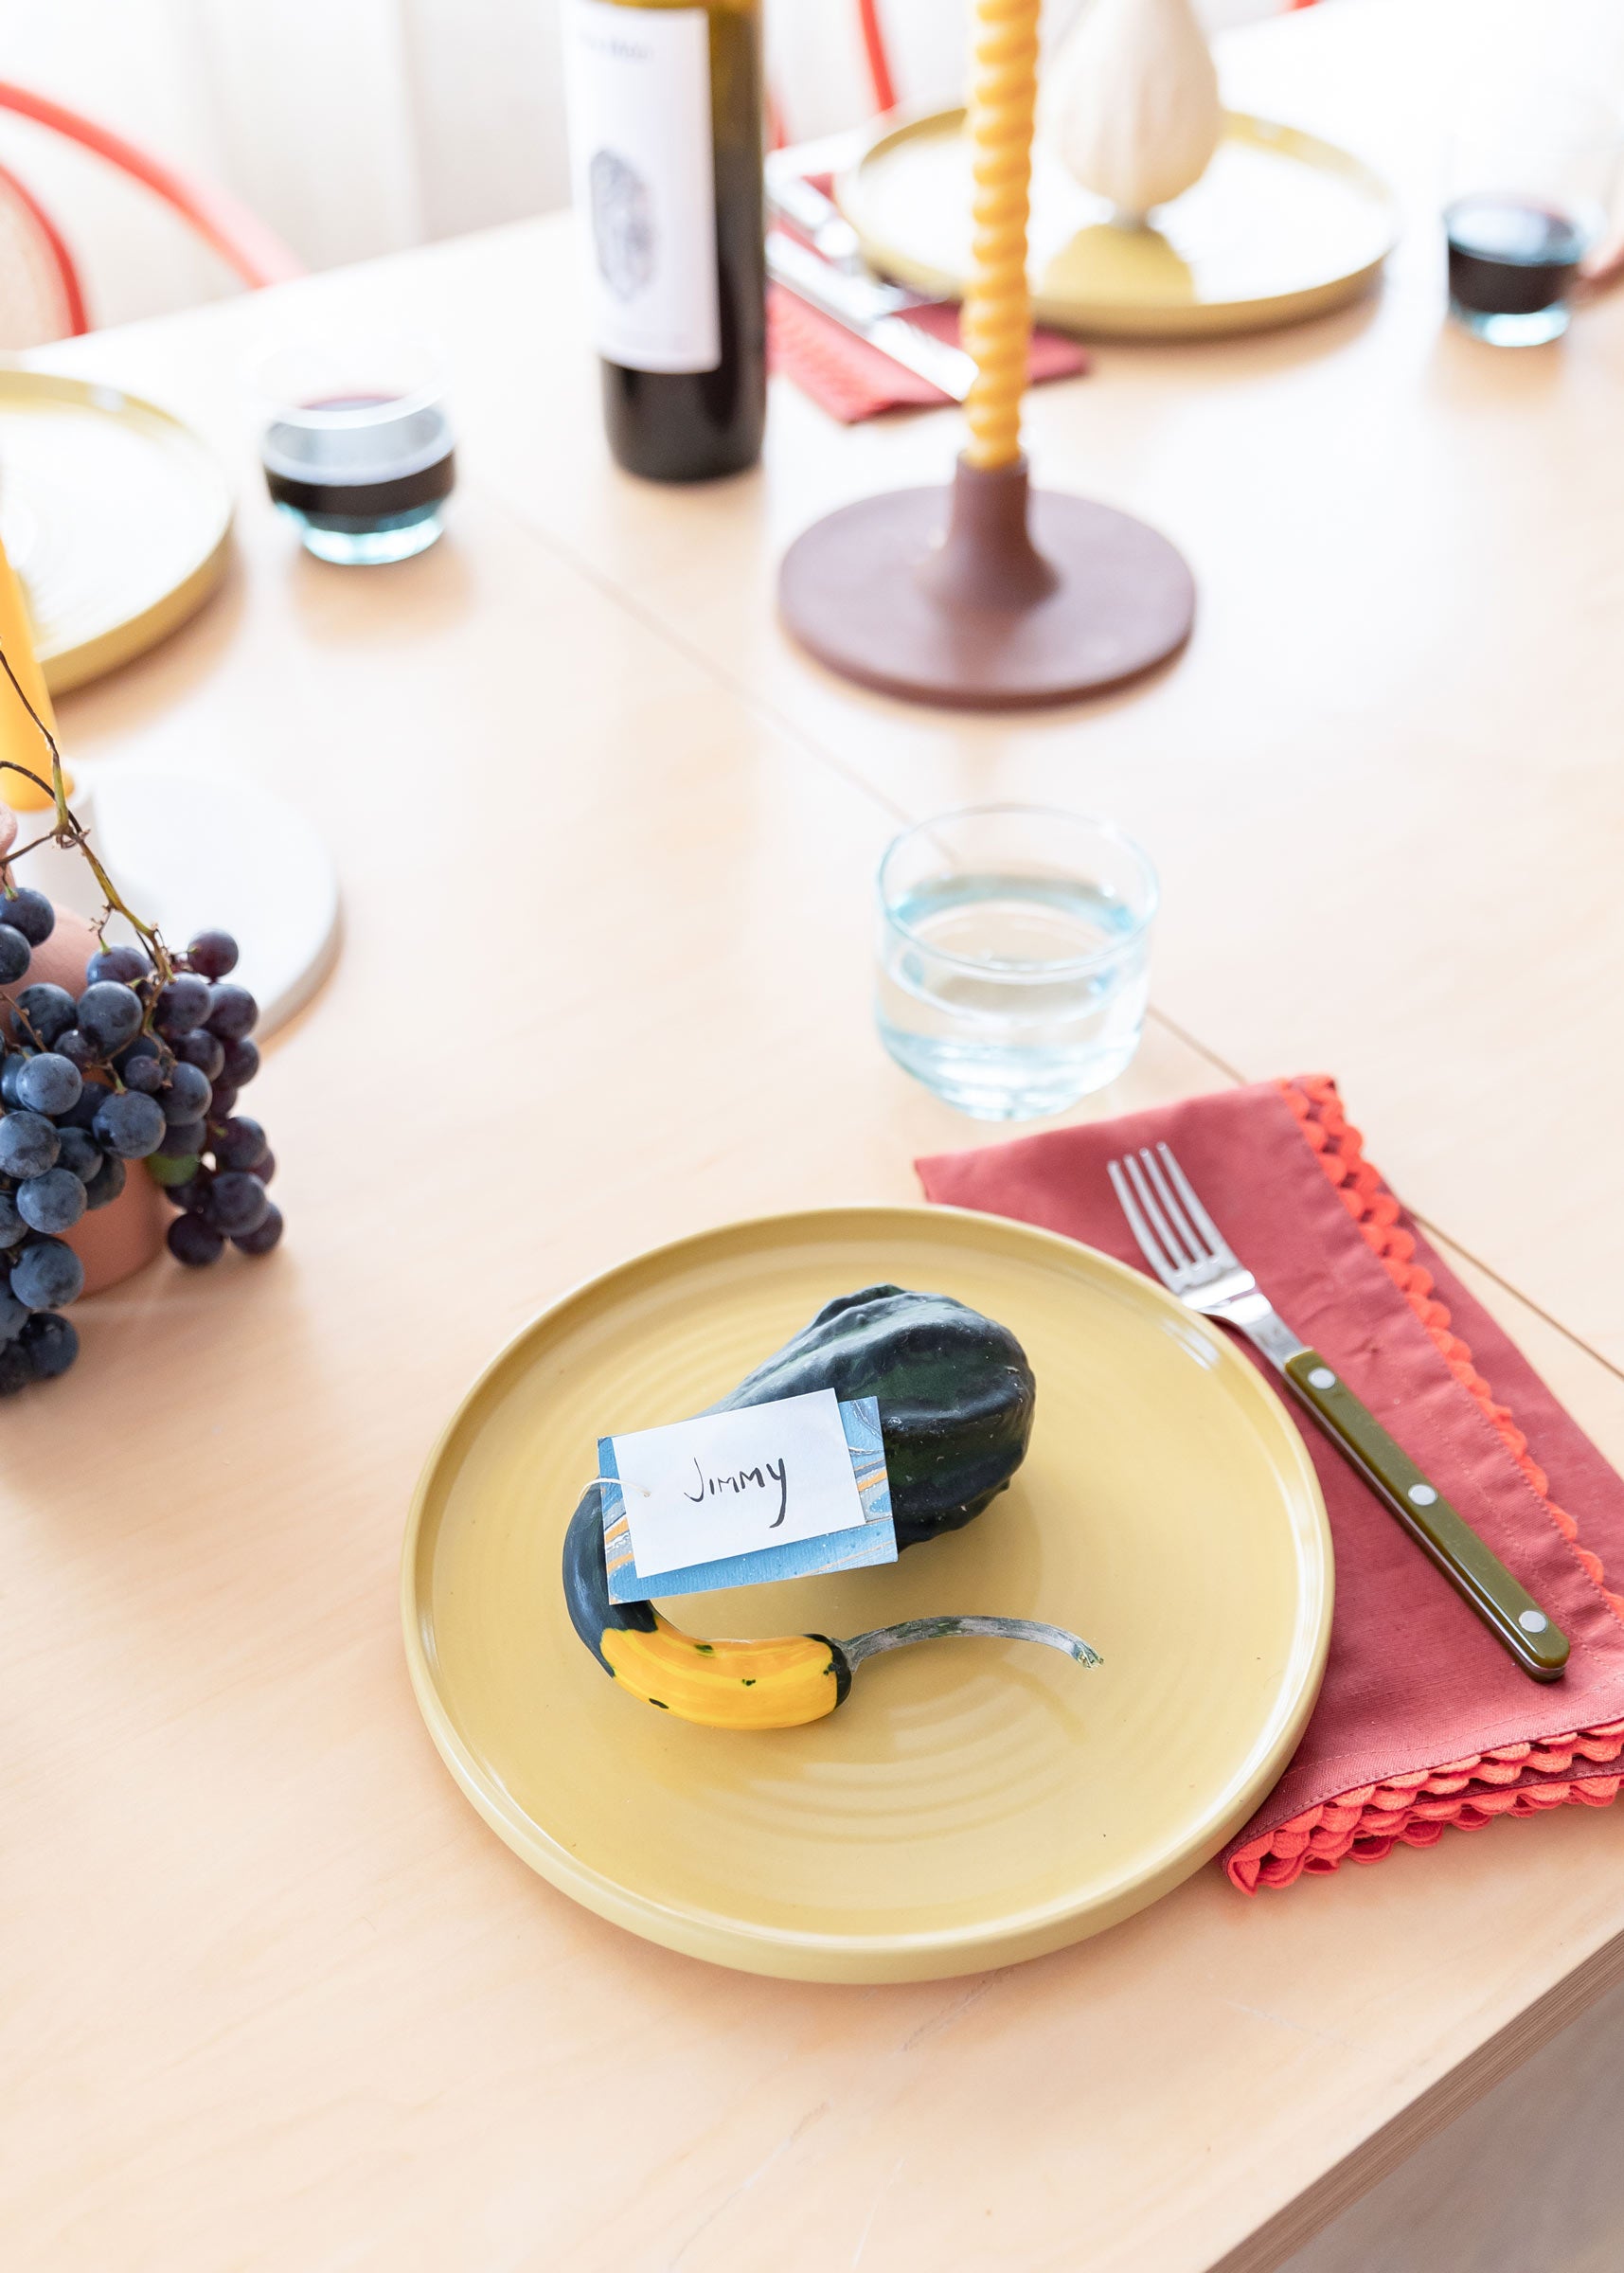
<point>735,1483</point>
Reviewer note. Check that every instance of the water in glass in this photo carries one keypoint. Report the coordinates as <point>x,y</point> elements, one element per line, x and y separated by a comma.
<point>1011,991</point>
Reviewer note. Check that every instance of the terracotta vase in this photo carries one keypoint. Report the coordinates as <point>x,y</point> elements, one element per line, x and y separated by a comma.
<point>115,1240</point>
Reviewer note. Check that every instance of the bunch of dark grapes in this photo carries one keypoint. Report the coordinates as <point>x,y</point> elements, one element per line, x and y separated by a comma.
<point>139,1068</point>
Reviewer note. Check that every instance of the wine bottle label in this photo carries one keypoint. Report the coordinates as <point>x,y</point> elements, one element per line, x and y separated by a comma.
<point>638,83</point>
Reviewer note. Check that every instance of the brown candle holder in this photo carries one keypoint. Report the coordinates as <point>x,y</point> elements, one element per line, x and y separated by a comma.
<point>987,596</point>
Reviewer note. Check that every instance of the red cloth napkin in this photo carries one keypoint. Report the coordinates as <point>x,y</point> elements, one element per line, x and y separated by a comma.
<point>851,380</point>
<point>1423,1720</point>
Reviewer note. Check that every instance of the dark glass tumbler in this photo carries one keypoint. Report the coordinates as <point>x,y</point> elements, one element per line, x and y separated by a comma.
<point>1531,179</point>
<point>357,448</point>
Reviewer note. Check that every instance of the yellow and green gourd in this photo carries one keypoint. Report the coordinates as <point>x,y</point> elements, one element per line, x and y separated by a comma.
<point>955,1397</point>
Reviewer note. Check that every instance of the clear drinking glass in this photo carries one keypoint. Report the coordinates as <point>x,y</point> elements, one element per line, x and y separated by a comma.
<point>357,447</point>
<point>1532,178</point>
<point>1014,949</point>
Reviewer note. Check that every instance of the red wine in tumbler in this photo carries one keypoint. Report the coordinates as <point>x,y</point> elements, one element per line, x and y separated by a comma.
<point>1509,256</point>
<point>665,104</point>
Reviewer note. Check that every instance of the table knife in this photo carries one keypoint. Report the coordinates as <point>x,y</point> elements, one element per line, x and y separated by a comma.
<point>791,197</point>
<point>866,310</point>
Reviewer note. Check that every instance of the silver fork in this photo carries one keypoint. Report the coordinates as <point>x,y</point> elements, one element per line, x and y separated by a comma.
<point>1193,1261</point>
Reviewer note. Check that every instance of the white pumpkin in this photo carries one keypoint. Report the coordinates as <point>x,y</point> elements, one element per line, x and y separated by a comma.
<point>1130,103</point>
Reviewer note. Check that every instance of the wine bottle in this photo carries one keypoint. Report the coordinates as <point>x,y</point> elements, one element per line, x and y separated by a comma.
<point>665,108</point>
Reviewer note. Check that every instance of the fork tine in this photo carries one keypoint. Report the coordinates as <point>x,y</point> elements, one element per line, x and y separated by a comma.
<point>1198,1214</point>
<point>1146,1199</point>
<point>1137,1224</point>
<point>1175,1215</point>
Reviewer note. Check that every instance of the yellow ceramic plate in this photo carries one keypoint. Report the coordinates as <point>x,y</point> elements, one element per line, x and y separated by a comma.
<point>971,1802</point>
<point>114,514</point>
<point>1280,226</point>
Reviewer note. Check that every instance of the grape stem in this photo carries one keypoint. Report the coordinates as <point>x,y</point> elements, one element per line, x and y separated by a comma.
<point>67,831</point>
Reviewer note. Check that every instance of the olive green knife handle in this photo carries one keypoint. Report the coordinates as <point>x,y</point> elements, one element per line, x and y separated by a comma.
<point>1472,1567</point>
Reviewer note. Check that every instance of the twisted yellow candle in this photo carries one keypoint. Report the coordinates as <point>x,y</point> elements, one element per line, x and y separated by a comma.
<point>997,303</point>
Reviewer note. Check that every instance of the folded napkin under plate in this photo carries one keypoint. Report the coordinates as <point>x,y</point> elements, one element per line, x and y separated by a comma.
<point>1423,1721</point>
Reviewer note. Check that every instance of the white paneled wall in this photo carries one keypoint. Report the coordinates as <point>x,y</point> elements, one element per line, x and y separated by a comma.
<point>357,127</point>
<point>352,127</point>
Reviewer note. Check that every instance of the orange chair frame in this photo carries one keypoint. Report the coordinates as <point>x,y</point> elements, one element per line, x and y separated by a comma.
<point>252,250</point>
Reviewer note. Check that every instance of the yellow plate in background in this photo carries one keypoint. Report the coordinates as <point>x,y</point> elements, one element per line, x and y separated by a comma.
<point>114,514</point>
<point>1280,226</point>
<point>971,1802</point>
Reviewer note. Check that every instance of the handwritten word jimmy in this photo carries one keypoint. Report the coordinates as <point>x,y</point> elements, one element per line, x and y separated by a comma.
<point>748,1480</point>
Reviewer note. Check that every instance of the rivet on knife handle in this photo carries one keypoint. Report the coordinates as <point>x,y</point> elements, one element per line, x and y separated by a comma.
<point>1472,1567</point>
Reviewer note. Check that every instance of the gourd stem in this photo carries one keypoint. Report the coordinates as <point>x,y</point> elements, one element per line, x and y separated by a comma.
<point>949,1628</point>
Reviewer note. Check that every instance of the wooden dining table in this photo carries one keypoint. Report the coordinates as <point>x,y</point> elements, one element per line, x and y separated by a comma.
<point>276,1998</point>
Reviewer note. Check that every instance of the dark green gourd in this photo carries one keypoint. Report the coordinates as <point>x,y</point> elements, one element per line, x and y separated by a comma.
<point>954,1391</point>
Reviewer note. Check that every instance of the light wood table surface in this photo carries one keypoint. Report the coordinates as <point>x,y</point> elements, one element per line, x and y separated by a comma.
<point>278,2001</point>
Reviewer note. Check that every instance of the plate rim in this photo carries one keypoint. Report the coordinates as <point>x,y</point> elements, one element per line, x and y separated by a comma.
<point>1127,319</point>
<point>114,777</point>
<point>939,1952</point>
<point>67,668</point>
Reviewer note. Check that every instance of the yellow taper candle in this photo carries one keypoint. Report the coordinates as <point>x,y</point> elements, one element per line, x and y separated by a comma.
<point>997,322</point>
<point>20,739</point>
